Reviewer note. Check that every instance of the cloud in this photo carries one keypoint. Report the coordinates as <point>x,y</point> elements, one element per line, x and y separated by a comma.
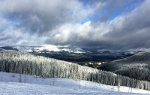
<point>79,33</point>
<point>43,15</point>
<point>126,31</point>
<point>11,35</point>
<point>15,36</point>
<point>37,22</point>
<point>36,18</point>
<point>3,24</point>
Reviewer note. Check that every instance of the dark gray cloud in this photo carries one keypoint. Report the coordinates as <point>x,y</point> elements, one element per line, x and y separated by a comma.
<point>40,22</point>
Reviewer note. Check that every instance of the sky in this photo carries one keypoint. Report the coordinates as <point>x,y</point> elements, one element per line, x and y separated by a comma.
<point>108,24</point>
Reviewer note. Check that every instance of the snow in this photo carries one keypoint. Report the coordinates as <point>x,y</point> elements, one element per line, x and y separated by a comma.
<point>17,84</point>
<point>49,48</point>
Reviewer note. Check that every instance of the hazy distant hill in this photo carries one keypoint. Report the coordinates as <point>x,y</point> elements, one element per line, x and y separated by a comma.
<point>136,66</point>
<point>8,48</point>
<point>72,54</point>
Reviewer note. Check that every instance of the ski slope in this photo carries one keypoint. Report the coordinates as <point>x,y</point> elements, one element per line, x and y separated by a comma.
<point>17,84</point>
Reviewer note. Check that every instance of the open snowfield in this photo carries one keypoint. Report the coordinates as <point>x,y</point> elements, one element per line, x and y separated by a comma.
<point>17,84</point>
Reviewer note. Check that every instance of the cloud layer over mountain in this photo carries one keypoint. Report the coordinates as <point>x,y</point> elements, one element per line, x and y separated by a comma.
<point>103,23</point>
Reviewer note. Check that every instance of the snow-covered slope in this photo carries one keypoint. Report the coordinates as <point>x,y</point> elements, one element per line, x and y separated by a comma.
<point>17,84</point>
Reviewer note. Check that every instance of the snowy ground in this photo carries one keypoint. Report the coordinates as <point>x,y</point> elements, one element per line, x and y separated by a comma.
<point>16,84</point>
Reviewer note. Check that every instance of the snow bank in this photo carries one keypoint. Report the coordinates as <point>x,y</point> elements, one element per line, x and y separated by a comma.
<point>17,84</point>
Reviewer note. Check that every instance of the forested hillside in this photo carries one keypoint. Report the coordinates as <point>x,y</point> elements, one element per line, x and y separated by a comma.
<point>136,66</point>
<point>25,63</point>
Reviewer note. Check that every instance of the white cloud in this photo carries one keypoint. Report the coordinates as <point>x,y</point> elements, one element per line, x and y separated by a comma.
<point>127,31</point>
<point>76,33</point>
<point>48,12</point>
<point>58,22</point>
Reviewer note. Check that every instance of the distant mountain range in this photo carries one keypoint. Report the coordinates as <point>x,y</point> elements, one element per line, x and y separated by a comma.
<point>73,54</point>
<point>70,49</point>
